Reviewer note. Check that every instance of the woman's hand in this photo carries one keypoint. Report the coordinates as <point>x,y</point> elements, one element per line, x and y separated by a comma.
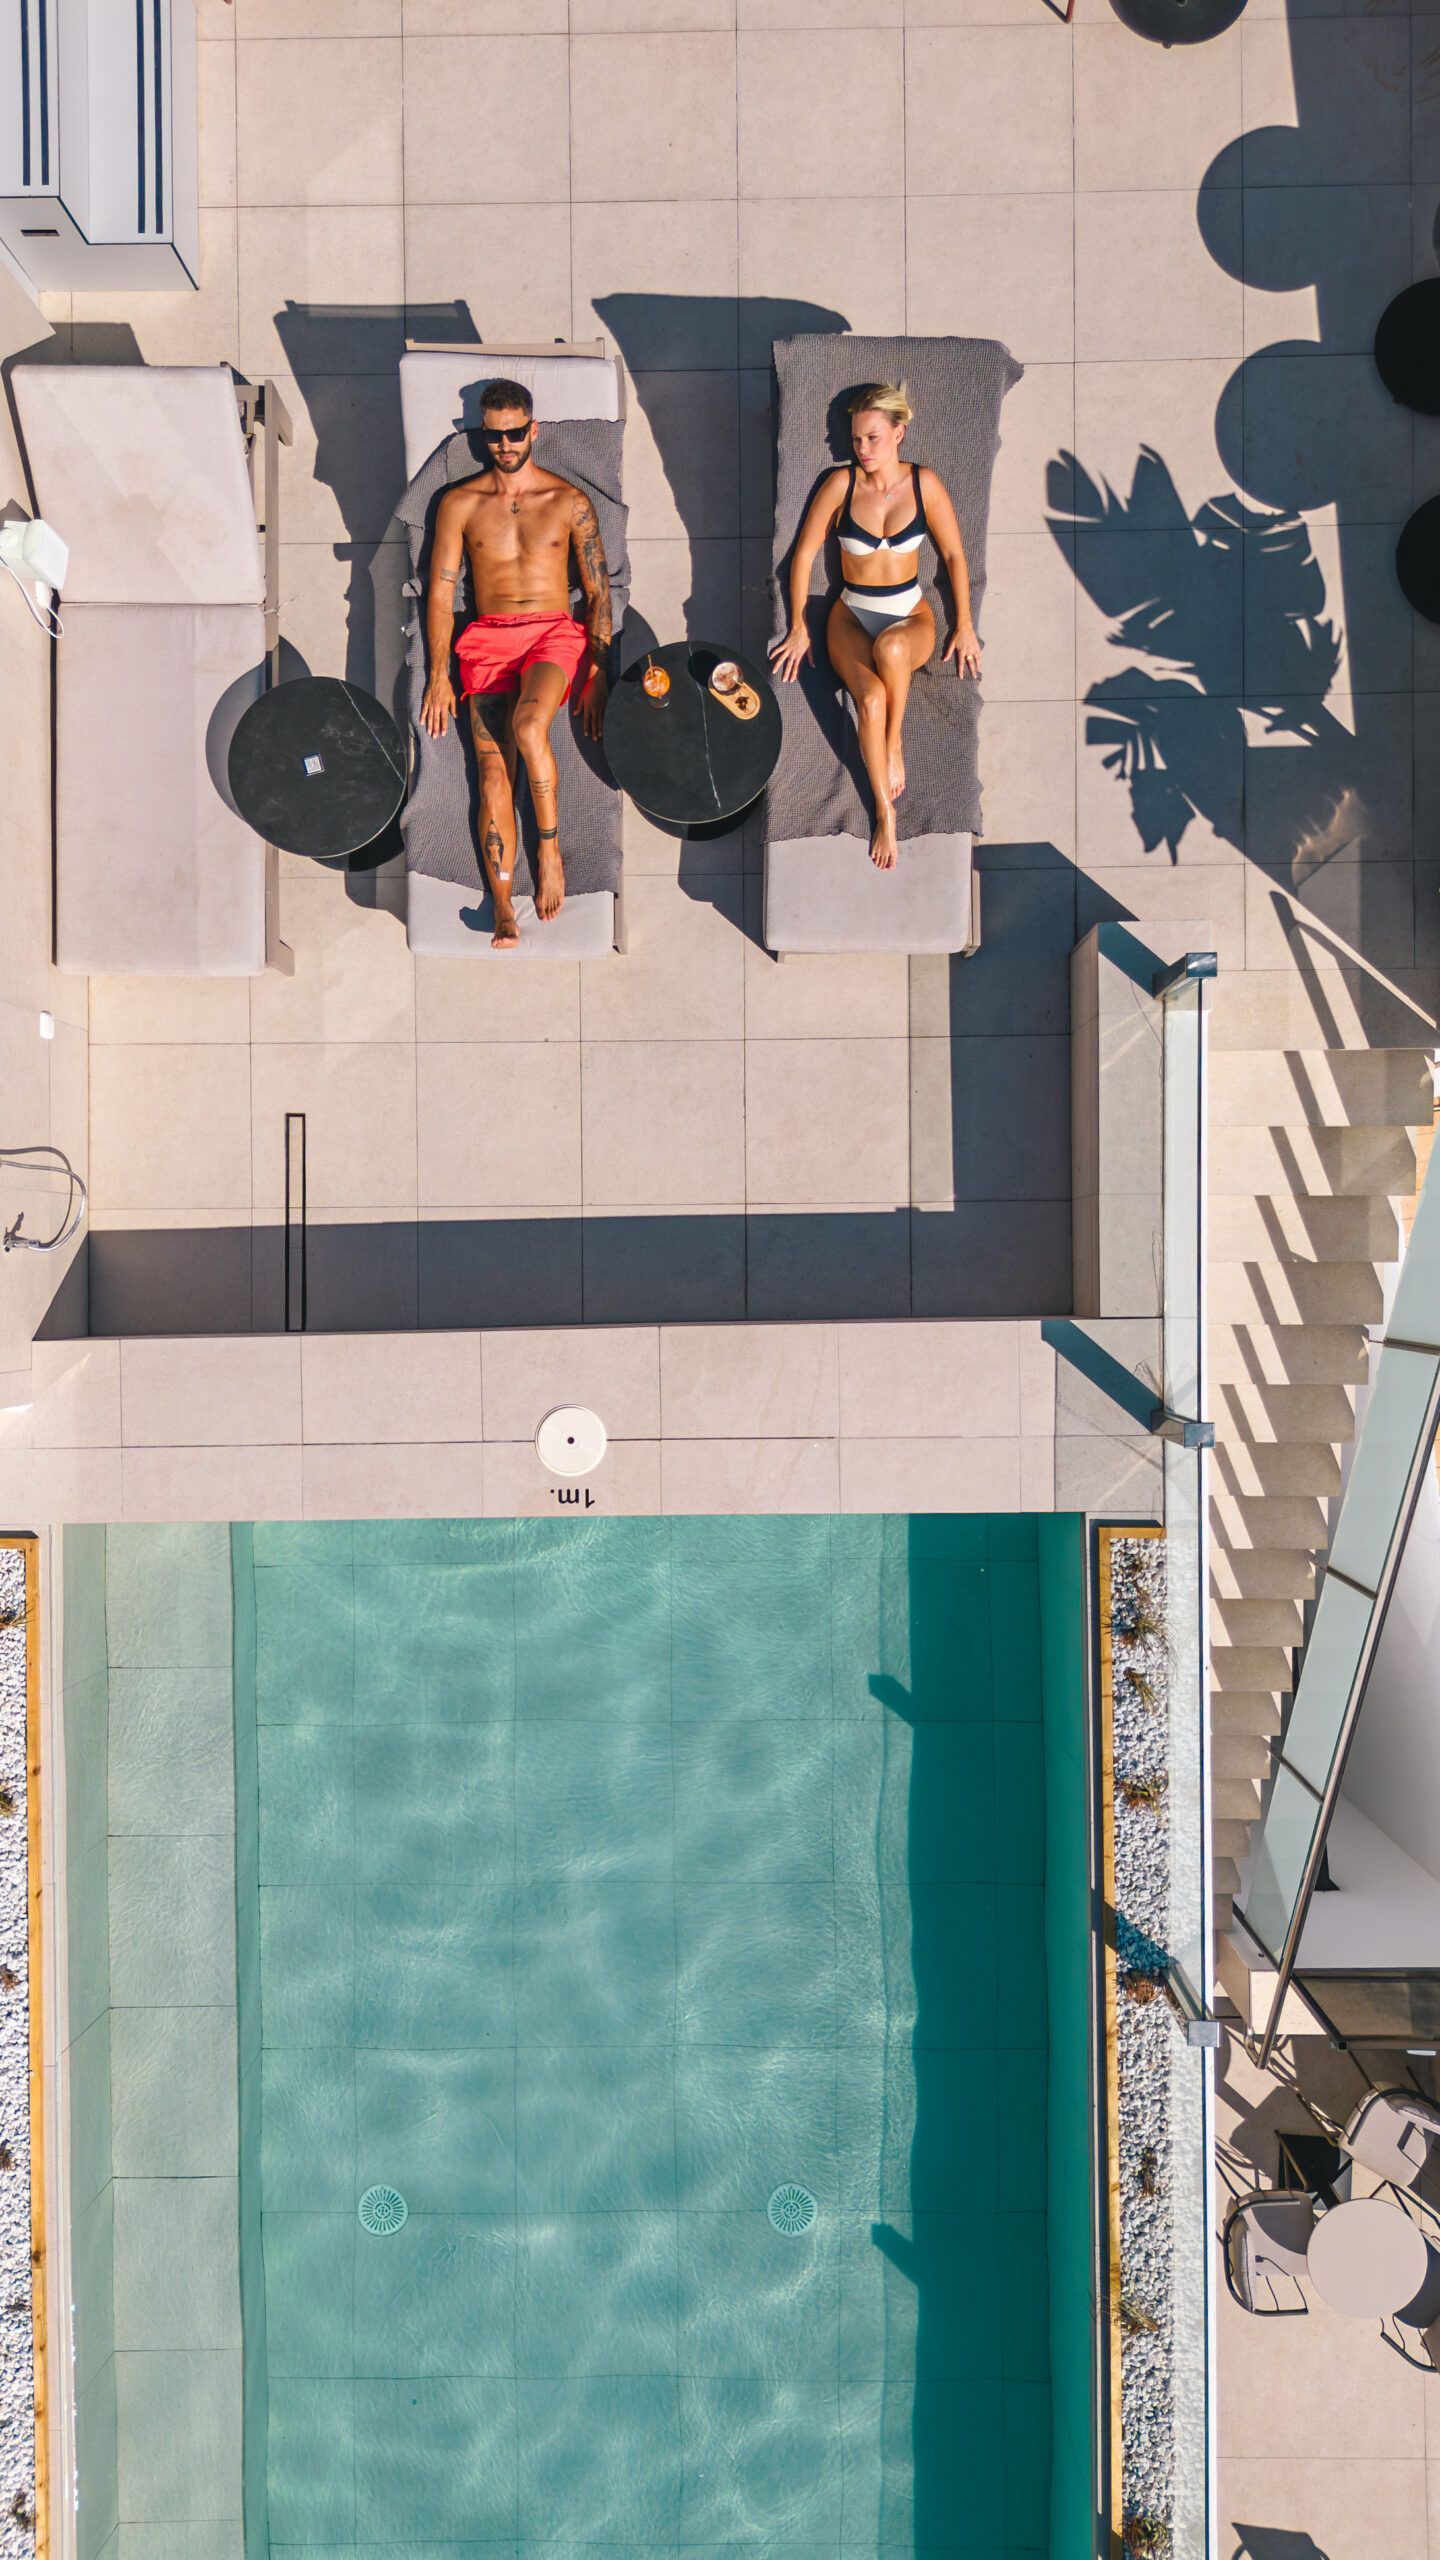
<point>963,646</point>
<point>788,656</point>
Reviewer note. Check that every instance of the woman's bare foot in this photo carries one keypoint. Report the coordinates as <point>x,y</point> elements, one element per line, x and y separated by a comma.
<point>883,848</point>
<point>550,895</point>
<point>897,770</point>
<point>506,936</point>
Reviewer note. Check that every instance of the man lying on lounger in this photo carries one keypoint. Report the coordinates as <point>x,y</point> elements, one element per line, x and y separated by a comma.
<point>524,653</point>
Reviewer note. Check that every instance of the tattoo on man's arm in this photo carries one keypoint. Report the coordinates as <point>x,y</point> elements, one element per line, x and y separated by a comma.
<point>594,576</point>
<point>446,577</point>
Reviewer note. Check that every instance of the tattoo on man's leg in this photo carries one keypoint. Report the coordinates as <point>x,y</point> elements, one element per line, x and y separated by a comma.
<point>494,842</point>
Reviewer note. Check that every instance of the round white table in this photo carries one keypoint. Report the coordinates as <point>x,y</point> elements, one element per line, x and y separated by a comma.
<point>1367,2258</point>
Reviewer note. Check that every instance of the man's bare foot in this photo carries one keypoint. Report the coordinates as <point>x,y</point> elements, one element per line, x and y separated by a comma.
<point>506,936</point>
<point>897,770</point>
<point>883,847</point>
<point>550,895</point>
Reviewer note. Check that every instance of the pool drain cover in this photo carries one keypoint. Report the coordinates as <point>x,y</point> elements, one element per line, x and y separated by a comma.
<point>383,2210</point>
<point>792,2210</point>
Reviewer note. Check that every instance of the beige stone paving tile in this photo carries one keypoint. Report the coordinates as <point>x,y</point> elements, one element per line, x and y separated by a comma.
<point>971,13</point>
<point>681,976</point>
<point>626,1484</point>
<point>829,70</point>
<point>1141,567</point>
<point>215,102</point>
<point>988,111</point>
<point>1104,821</point>
<point>319,123</point>
<point>722,1477</point>
<point>486,17</point>
<point>1166,403</point>
<point>673,278</point>
<point>820,13</point>
<point>391,1387</point>
<point>1027,620</point>
<point>457,1001</point>
<point>757,455</point>
<point>686,589</point>
<point>160,1010</point>
<point>1037,1384</point>
<point>38,1486</point>
<point>651,17</point>
<point>347,262</point>
<point>497,1117</point>
<point>170,1128</point>
<point>1036,424</point>
<point>1027,774</point>
<point>1154,891</point>
<point>342,610</point>
<point>1328,2390</point>
<point>1356,240</point>
<point>1350,909</point>
<point>341,477</point>
<point>518,1263</point>
<point>209,1484</point>
<point>354,978</point>
<point>816,996</point>
<point>827,1120</point>
<point>181,328</point>
<point>930,1475</point>
<point>765,1381</point>
<point>460,88</point>
<point>1353,75</point>
<point>994,266</point>
<point>210,1393</point>
<point>76,1392</point>
<point>410,1481</point>
<point>1175,117</point>
<point>358,1098</point>
<point>664,1123</point>
<point>682,460</point>
<point>791,251</point>
<point>1376,629</point>
<point>319,17</point>
<point>1037,1474</point>
<point>929,1381</point>
<point>653,117</point>
<point>614,1369</point>
<point>1146,284</point>
<point>215,19</point>
<point>511,271</point>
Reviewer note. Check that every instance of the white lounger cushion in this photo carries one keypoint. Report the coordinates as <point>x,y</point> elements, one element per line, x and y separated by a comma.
<point>156,873</point>
<point>142,470</point>
<point>439,393</point>
<point>441,919</point>
<point>823,893</point>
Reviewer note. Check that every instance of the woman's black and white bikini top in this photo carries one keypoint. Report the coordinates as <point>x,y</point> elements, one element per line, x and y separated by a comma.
<point>855,540</point>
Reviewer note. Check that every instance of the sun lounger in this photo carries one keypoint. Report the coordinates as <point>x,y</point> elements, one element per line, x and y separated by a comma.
<point>577,396</point>
<point>170,631</point>
<point>822,892</point>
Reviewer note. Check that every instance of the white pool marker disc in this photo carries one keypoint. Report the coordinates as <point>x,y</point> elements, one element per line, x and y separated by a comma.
<point>571,1441</point>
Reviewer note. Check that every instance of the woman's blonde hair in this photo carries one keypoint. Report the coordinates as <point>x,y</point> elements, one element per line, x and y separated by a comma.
<point>888,397</point>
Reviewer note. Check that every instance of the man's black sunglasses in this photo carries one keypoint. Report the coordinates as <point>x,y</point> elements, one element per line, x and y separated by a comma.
<point>507,435</point>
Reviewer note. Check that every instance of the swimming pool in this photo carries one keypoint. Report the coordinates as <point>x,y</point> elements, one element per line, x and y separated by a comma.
<point>596,1883</point>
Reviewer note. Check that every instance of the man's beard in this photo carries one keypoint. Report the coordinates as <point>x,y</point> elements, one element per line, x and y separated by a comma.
<point>510,460</point>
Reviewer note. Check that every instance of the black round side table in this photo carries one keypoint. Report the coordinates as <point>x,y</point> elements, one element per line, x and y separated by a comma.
<point>685,759</point>
<point>1417,560</point>
<point>318,766</point>
<point>1407,347</point>
<point>1178,21</point>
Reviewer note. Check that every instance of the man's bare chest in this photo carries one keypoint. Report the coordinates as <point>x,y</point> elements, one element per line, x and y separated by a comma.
<point>518,528</point>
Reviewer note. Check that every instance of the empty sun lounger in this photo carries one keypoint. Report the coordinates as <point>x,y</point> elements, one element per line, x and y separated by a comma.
<point>822,892</point>
<point>577,396</point>
<point>170,632</point>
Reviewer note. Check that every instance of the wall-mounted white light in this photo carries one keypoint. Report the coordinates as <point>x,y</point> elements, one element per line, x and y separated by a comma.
<point>47,1026</point>
<point>37,558</point>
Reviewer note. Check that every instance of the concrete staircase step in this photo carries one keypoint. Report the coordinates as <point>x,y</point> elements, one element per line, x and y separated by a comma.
<point>1241,1757</point>
<point>1264,1573</point>
<point>1277,1466</point>
<point>1269,1292</point>
<point>1330,1005</point>
<point>1264,1413</point>
<point>1251,1667</point>
<point>1224,1875</point>
<point>1339,1162</point>
<point>1281,1227</point>
<point>1250,1622</point>
<point>1245,1711</point>
<point>1223,1907</point>
<point>1230,1835</point>
<point>1288,1355</point>
<point>1269,1520</point>
<point>1320,1088</point>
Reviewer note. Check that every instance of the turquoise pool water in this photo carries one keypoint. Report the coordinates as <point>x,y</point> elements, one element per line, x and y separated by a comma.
<point>594,1881</point>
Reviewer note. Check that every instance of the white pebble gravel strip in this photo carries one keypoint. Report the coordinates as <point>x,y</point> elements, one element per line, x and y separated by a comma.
<point>17,2372</point>
<point>1146,2031</point>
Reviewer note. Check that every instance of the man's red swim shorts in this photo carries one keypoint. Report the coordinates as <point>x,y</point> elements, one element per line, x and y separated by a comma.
<point>497,649</point>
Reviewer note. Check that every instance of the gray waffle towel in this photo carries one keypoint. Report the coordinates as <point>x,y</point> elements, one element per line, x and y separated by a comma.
<point>439,818</point>
<point>956,386</point>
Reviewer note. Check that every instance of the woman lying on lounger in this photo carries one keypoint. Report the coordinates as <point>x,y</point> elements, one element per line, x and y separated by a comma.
<point>880,628</point>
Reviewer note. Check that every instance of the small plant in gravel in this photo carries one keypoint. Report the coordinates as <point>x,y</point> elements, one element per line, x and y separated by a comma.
<point>1140,1624</point>
<point>9,1978</point>
<point>1147,2175</point>
<point>1135,2320</point>
<point>7,2155</point>
<point>1146,2537</point>
<point>20,2510</point>
<point>1140,1985</point>
<point>7,1800</point>
<point>1144,1793</point>
<point>18,2306</point>
<point>11,1618</point>
<point>1144,1689</point>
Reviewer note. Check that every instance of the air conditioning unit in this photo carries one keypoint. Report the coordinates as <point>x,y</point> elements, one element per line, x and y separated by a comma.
<point>98,144</point>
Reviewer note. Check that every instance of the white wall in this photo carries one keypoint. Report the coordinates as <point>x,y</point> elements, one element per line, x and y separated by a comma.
<point>1393,1774</point>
